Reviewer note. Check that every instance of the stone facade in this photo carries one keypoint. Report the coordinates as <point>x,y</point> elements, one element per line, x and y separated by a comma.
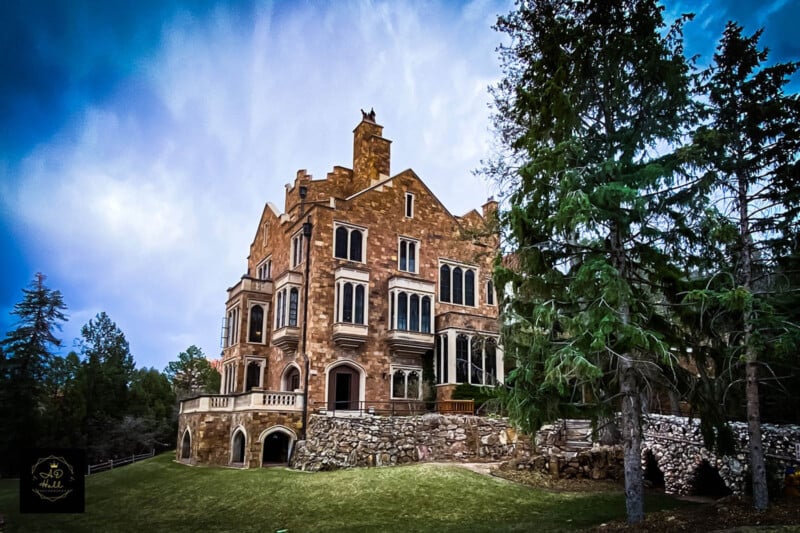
<point>360,282</point>
<point>343,442</point>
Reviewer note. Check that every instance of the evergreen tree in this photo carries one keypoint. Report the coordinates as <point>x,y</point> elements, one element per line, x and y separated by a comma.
<point>751,146</point>
<point>594,96</point>
<point>192,374</point>
<point>106,374</point>
<point>28,354</point>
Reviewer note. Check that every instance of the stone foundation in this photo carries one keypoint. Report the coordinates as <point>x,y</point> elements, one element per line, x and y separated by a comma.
<point>343,442</point>
<point>212,433</point>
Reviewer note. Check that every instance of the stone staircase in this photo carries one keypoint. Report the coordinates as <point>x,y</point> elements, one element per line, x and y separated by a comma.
<point>576,435</point>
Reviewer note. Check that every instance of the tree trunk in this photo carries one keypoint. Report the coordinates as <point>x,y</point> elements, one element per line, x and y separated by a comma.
<point>632,442</point>
<point>758,471</point>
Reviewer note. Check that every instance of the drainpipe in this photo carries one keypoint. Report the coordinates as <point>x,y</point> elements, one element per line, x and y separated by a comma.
<point>307,236</point>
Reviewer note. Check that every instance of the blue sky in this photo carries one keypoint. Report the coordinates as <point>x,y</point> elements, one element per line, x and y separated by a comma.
<point>139,141</point>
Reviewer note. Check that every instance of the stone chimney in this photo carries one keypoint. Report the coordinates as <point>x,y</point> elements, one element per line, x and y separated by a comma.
<point>371,152</point>
<point>490,207</point>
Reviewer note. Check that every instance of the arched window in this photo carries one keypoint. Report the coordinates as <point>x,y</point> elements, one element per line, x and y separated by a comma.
<point>426,314</point>
<point>347,303</point>
<point>239,443</point>
<point>490,354</point>
<point>256,326</point>
<point>293,295</point>
<point>462,361</point>
<point>476,361</point>
<point>402,311</point>
<point>355,245</point>
<point>444,283</point>
<point>253,376</point>
<point>398,384</point>
<point>469,287</point>
<point>186,445</point>
<point>412,257</point>
<point>291,380</point>
<point>359,304</point>
<point>457,286</point>
<point>341,243</point>
<point>412,385</point>
<point>413,313</point>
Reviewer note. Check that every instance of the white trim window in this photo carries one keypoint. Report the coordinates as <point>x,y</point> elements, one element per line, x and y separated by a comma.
<point>264,269</point>
<point>407,254</point>
<point>257,322</point>
<point>232,320</point>
<point>457,283</point>
<point>351,302</point>
<point>410,311</point>
<point>349,242</point>
<point>406,383</point>
<point>286,307</point>
<point>229,375</point>
<point>409,205</point>
<point>298,248</point>
<point>441,358</point>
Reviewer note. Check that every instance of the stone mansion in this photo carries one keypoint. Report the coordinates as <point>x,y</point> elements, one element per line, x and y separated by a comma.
<point>364,294</point>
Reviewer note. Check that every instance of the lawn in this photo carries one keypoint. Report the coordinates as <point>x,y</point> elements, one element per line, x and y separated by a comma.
<point>161,495</point>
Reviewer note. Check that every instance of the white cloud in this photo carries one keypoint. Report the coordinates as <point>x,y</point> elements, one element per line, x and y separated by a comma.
<point>145,205</point>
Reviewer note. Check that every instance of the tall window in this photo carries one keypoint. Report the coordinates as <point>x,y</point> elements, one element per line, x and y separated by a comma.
<point>444,283</point>
<point>462,359</point>
<point>298,249</point>
<point>490,292</point>
<point>457,284</point>
<point>232,325</point>
<point>255,326</point>
<point>409,205</point>
<point>286,307</point>
<point>413,311</point>
<point>408,255</point>
<point>264,269</point>
<point>350,304</point>
<point>441,359</point>
<point>349,243</point>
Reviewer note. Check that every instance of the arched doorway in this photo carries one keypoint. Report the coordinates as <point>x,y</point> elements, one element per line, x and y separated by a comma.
<point>343,388</point>
<point>276,448</point>
<point>237,447</point>
<point>186,445</point>
<point>291,379</point>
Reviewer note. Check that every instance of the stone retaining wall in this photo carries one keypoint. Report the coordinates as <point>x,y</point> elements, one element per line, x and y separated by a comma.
<point>342,442</point>
<point>677,447</point>
<point>602,462</point>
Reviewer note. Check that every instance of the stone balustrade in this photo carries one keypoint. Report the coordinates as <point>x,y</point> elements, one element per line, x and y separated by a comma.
<point>255,400</point>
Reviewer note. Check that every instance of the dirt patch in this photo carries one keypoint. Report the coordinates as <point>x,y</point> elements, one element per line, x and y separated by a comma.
<point>730,514</point>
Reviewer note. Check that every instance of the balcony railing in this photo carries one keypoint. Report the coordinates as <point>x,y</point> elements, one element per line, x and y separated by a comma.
<point>255,400</point>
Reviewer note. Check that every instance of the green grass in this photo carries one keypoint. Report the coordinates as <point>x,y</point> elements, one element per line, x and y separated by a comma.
<point>160,495</point>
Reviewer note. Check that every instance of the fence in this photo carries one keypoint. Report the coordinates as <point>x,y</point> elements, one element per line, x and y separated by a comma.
<point>400,407</point>
<point>115,463</point>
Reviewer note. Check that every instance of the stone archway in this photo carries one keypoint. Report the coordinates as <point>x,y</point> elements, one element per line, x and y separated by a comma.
<point>186,445</point>
<point>276,447</point>
<point>344,387</point>
<point>238,445</point>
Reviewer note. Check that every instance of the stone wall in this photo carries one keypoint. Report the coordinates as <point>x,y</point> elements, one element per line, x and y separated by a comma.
<point>211,434</point>
<point>677,447</point>
<point>602,462</point>
<point>342,442</point>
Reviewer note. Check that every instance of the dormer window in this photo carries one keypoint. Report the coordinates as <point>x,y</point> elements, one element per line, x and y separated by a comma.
<point>349,242</point>
<point>409,205</point>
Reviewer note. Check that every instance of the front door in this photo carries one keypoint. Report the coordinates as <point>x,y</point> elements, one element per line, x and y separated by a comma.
<point>343,388</point>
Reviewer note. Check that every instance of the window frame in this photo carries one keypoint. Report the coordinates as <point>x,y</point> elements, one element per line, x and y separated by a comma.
<point>406,370</point>
<point>264,269</point>
<point>408,205</point>
<point>401,240</point>
<point>298,249</point>
<point>264,322</point>
<point>349,247</point>
<point>449,289</point>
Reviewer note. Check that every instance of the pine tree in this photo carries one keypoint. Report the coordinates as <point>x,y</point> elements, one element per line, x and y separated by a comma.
<point>751,145</point>
<point>594,97</point>
<point>28,352</point>
<point>192,374</point>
